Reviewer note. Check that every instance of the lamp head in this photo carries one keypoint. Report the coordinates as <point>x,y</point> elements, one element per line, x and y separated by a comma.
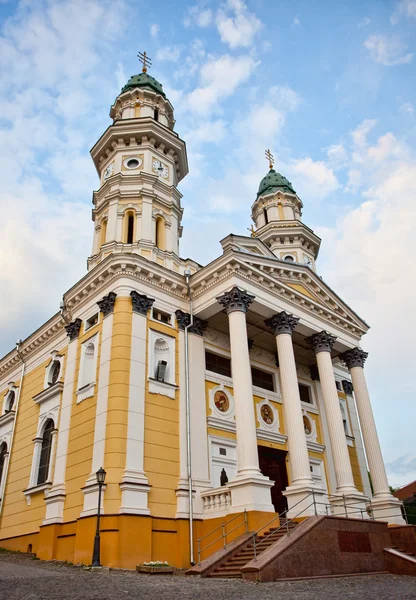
<point>100,474</point>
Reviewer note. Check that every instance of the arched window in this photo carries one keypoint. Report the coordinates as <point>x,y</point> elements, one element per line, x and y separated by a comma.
<point>289,258</point>
<point>54,372</point>
<point>45,452</point>
<point>156,114</point>
<point>103,234</point>
<point>129,227</point>
<point>88,366</point>
<point>3,454</point>
<point>10,400</point>
<point>266,218</point>
<point>160,237</point>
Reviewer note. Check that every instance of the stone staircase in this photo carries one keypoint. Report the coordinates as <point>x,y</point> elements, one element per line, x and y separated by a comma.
<point>403,551</point>
<point>230,567</point>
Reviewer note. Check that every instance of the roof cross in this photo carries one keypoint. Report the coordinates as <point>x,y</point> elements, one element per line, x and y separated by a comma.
<point>145,60</point>
<point>270,158</point>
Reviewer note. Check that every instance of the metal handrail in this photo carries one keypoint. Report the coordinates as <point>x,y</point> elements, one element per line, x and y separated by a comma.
<point>223,535</point>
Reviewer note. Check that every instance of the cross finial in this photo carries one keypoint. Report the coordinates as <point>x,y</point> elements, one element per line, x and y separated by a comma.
<point>145,60</point>
<point>270,158</point>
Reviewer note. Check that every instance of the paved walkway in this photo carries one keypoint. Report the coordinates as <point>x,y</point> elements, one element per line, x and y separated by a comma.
<point>23,578</point>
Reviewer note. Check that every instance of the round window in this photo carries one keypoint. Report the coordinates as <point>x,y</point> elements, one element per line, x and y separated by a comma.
<point>132,163</point>
<point>289,258</point>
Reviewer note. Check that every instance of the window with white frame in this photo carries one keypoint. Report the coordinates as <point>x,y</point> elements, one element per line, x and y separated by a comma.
<point>305,392</point>
<point>54,370</point>
<point>162,316</point>
<point>162,377</point>
<point>44,450</point>
<point>87,368</point>
<point>10,401</point>
<point>91,321</point>
<point>345,418</point>
<point>223,455</point>
<point>3,458</point>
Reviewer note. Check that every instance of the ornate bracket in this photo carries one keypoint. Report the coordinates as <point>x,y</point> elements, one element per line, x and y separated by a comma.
<point>235,300</point>
<point>106,305</point>
<point>354,358</point>
<point>141,303</point>
<point>73,329</point>
<point>321,342</point>
<point>282,322</point>
<point>198,326</point>
<point>347,387</point>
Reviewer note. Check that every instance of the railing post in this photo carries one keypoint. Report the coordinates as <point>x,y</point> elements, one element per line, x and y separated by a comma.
<point>254,546</point>
<point>223,533</point>
<point>287,523</point>
<point>245,519</point>
<point>314,501</point>
<point>199,551</point>
<point>345,506</point>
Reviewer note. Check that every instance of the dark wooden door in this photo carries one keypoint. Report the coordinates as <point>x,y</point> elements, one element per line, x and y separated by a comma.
<point>273,465</point>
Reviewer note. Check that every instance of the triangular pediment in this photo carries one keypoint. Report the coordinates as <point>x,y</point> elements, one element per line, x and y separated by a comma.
<point>246,245</point>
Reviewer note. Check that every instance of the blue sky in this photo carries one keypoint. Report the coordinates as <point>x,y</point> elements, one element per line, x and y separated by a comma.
<point>328,86</point>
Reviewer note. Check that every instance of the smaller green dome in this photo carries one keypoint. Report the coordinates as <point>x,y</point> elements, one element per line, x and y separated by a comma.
<point>143,80</point>
<point>273,182</point>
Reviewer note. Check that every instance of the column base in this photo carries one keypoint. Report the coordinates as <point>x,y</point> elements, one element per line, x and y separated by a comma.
<point>387,508</point>
<point>305,501</point>
<point>182,498</point>
<point>351,505</point>
<point>251,493</point>
<point>55,501</point>
<point>135,490</point>
<point>90,492</point>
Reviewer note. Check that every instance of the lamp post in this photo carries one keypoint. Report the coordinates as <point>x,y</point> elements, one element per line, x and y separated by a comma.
<point>96,554</point>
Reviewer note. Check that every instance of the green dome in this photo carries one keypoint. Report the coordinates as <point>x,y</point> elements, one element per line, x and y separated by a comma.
<point>143,80</point>
<point>274,181</point>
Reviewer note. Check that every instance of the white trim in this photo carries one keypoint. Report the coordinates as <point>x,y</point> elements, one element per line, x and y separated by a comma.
<point>49,393</point>
<point>85,389</point>
<point>55,357</point>
<point>167,387</point>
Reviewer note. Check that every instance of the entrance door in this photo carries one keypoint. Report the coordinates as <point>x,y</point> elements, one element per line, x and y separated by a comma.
<point>273,465</point>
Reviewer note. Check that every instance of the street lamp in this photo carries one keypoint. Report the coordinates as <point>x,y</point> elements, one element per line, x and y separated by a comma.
<point>100,474</point>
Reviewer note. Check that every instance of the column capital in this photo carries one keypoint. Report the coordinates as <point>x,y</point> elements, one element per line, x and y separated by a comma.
<point>235,300</point>
<point>321,342</point>
<point>106,305</point>
<point>198,327</point>
<point>140,302</point>
<point>355,357</point>
<point>347,387</point>
<point>72,330</point>
<point>282,322</point>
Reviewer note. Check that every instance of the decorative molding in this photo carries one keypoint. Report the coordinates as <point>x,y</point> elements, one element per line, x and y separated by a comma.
<point>217,338</point>
<point>87,391</point>
<point>162,387</point>
<point>198,327</point>
<point>235,300</point>
<point>73,329</point>
<point>303,371</point>
<point>7,417</point>
<point>221,424</point>
<point>271,436</point>
<point>141,303</point>
<point>347,387</point>
<point>355,357</point>
<point>315,447</point>
<point>321,342</point>
<point>48,393</point>
<point>106,305</point>
<point>282,322</point>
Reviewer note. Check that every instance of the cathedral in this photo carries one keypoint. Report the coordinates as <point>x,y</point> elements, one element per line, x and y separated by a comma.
<point>231,392</point>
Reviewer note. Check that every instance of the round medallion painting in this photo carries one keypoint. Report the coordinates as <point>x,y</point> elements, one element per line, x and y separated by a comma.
<point>267,414</point>
<point>221,401</point>
<point>307,425</point>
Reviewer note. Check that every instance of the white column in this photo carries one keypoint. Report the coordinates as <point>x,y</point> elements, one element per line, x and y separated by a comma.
<point>135,485</point>
<point>347,500</point>
<point>301,486</point>
<point>250,489</point>
<point>385,507</point>
<point>3,479</point>
<point>112,221</point>
<point>199,436</point>
<point>35,462</point>
<point>52,457</point>
<point>56,498</point>
<point>147,220</point>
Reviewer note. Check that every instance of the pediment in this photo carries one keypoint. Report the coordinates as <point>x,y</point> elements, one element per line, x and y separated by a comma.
<point>246,245</point>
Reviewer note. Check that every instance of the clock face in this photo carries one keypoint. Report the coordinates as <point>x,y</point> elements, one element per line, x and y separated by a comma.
<point>109,171</point>
<point>307,261</point>
<point>160,169</point>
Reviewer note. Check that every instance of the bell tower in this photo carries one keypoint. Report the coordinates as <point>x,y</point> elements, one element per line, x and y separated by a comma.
<point>140,160</point>
<point>277,213</point>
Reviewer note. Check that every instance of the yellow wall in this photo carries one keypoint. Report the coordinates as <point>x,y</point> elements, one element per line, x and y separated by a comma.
<point>161,435</point>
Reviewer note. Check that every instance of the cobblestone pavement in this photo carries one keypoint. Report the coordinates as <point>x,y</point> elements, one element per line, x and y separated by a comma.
<point>22,577</point>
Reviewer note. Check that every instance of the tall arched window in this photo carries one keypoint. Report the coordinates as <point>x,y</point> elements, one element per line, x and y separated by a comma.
<point>45,452</point>
<point>88,366</point>
<point>129,227</point>
<point>156,114</point>
<point>266,218</point>
<point>103,234</point>
<point>160,237</point>
<point>3,454</point>
<point>10,400</point>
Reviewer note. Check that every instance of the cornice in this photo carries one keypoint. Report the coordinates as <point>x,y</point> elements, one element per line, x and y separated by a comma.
<point>49,392</point>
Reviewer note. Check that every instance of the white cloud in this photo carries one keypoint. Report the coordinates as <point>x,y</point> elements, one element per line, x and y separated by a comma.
<point>154,30</point>
<point>405,8</point>
<point>388,51</point>
<point>314,179</point>
<point>337,156</point>
<point>206,132</point>
<point>198,15</point>
<point>219,78</point>
<point>408,109</point>
<point>359,134</point>
<point>236,25</point>
<point>364,23</point>
<point>296,22</point>
<point>169,53</point>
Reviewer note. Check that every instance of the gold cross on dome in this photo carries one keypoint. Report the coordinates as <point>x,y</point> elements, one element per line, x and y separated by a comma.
<point>270,158</point>
<point>145,60</point>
